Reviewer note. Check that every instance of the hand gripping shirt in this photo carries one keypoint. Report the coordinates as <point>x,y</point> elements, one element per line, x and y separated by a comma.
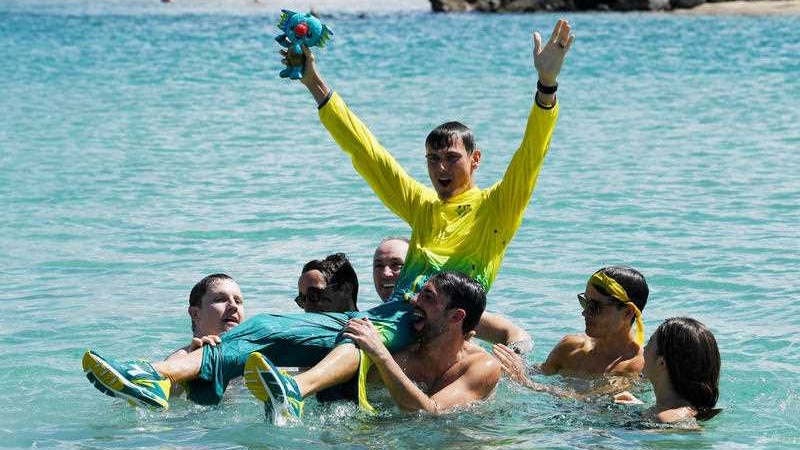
<point>469,232</point>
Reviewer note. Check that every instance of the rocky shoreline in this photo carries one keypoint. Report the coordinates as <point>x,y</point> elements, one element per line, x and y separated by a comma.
<point>739,7</point>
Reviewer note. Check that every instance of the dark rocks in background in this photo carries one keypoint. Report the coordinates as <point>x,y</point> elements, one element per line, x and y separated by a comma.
<point>560,5</point>
<point>686,4</point>
<point>501,5</point>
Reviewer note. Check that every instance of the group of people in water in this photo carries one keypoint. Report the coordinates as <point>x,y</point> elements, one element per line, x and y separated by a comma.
<point>419,341</point>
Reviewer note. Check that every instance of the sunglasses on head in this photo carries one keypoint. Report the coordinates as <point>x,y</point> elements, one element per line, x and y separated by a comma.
<point>313,294</point>
<point>592,306</point>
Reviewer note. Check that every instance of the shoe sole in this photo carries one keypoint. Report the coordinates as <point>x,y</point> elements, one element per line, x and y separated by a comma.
<point>112,383</point>
<point>260,379</point>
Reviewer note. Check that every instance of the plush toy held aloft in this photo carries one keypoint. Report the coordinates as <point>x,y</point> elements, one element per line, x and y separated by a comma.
<point>300,29</point>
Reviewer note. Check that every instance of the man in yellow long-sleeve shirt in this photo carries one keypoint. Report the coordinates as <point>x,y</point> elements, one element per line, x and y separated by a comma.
<point>454,226</point>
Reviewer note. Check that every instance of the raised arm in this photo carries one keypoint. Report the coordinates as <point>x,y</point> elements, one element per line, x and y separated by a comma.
<point>549,59</point>
<point>476,383</point>
<point>390,182</point>
<point>511,195</point>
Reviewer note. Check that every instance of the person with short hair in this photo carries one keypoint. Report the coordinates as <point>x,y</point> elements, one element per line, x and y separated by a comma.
<point>216,305</point>
<point>442,371</point>
<point>328,285</point>
<point>682,362</point>
<point>455,225</point>
<point>389,259</point>
<point>612,302</point>
<point>387,263</point>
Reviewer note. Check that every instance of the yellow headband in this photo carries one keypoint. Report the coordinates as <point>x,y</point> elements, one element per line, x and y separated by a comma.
<point>618,292</point>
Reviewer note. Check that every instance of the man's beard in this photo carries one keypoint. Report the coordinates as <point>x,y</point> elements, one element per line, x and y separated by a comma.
<point>431,331</point>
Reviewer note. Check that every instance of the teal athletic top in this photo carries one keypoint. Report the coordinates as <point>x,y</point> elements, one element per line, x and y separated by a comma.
<point>300,340</point>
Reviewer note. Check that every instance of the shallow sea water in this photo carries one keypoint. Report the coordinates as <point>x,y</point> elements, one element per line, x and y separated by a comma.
<point>143,146</point>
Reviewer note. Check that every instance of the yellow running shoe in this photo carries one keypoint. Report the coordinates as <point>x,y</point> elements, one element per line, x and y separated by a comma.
<point>278,391</point>
<point>136,381</point>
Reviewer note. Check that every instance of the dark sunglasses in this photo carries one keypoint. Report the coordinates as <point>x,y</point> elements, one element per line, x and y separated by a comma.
<point>312,295</point>
<point>592,306</point>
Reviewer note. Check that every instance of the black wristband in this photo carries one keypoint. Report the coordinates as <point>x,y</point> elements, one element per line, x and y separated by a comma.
<point>549,90</point>
<point>325,100</point>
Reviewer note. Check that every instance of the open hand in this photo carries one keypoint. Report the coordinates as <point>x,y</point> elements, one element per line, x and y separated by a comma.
<point>548,58</point>
<point>626,398</point>
<point>366,336</point>
<point>197,342</point>
<point>512,363</point>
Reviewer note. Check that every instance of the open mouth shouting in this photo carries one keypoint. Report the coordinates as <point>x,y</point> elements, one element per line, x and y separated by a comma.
<point>419,318</point>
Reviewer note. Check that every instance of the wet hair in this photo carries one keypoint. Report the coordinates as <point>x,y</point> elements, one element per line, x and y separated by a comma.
<point>337,270</point>
<point>314,264</point>
<point>464,293</point>
<point>632,281</point>
<point>199,289</point>
<point>446,134</point>
<point>693,362</point>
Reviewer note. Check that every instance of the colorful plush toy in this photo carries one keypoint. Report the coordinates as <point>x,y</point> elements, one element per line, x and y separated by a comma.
<point>298,30</point>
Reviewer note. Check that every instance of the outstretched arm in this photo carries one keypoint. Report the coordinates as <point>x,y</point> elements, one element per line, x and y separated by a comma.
<point>549,58</point>
<point>311,79</point>
<point>514,366</point>
<point>499,329</point>
<point>393,186</point>
<point>477,382</point>
<point>511,195</point>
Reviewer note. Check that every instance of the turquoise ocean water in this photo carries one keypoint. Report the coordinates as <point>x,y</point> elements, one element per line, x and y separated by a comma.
<point>143,146</point>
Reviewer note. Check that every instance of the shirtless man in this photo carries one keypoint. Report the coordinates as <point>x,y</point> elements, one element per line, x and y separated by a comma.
<point>443,370</point>
<point>388,261</point>
<point>612,302</point>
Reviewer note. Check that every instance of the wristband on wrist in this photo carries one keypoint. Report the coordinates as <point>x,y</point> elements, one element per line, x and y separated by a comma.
<point>549,90</point>
<point>325,100</point>
<point>542,105</point>
<point>521,348</point>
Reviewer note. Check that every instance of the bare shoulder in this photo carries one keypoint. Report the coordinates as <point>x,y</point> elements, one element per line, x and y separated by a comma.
<point>569,344</point>
<point>478,362</point>
<point>632,365</point>
<point>629,368</point>
<point>682,417</point>
<point>572,341</point>
<point>563,352</point>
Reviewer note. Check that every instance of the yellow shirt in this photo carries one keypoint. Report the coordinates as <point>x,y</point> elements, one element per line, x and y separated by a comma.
<point>469,232</point>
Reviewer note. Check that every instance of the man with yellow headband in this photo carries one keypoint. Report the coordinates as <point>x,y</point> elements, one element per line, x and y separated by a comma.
<point>612,303</point>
